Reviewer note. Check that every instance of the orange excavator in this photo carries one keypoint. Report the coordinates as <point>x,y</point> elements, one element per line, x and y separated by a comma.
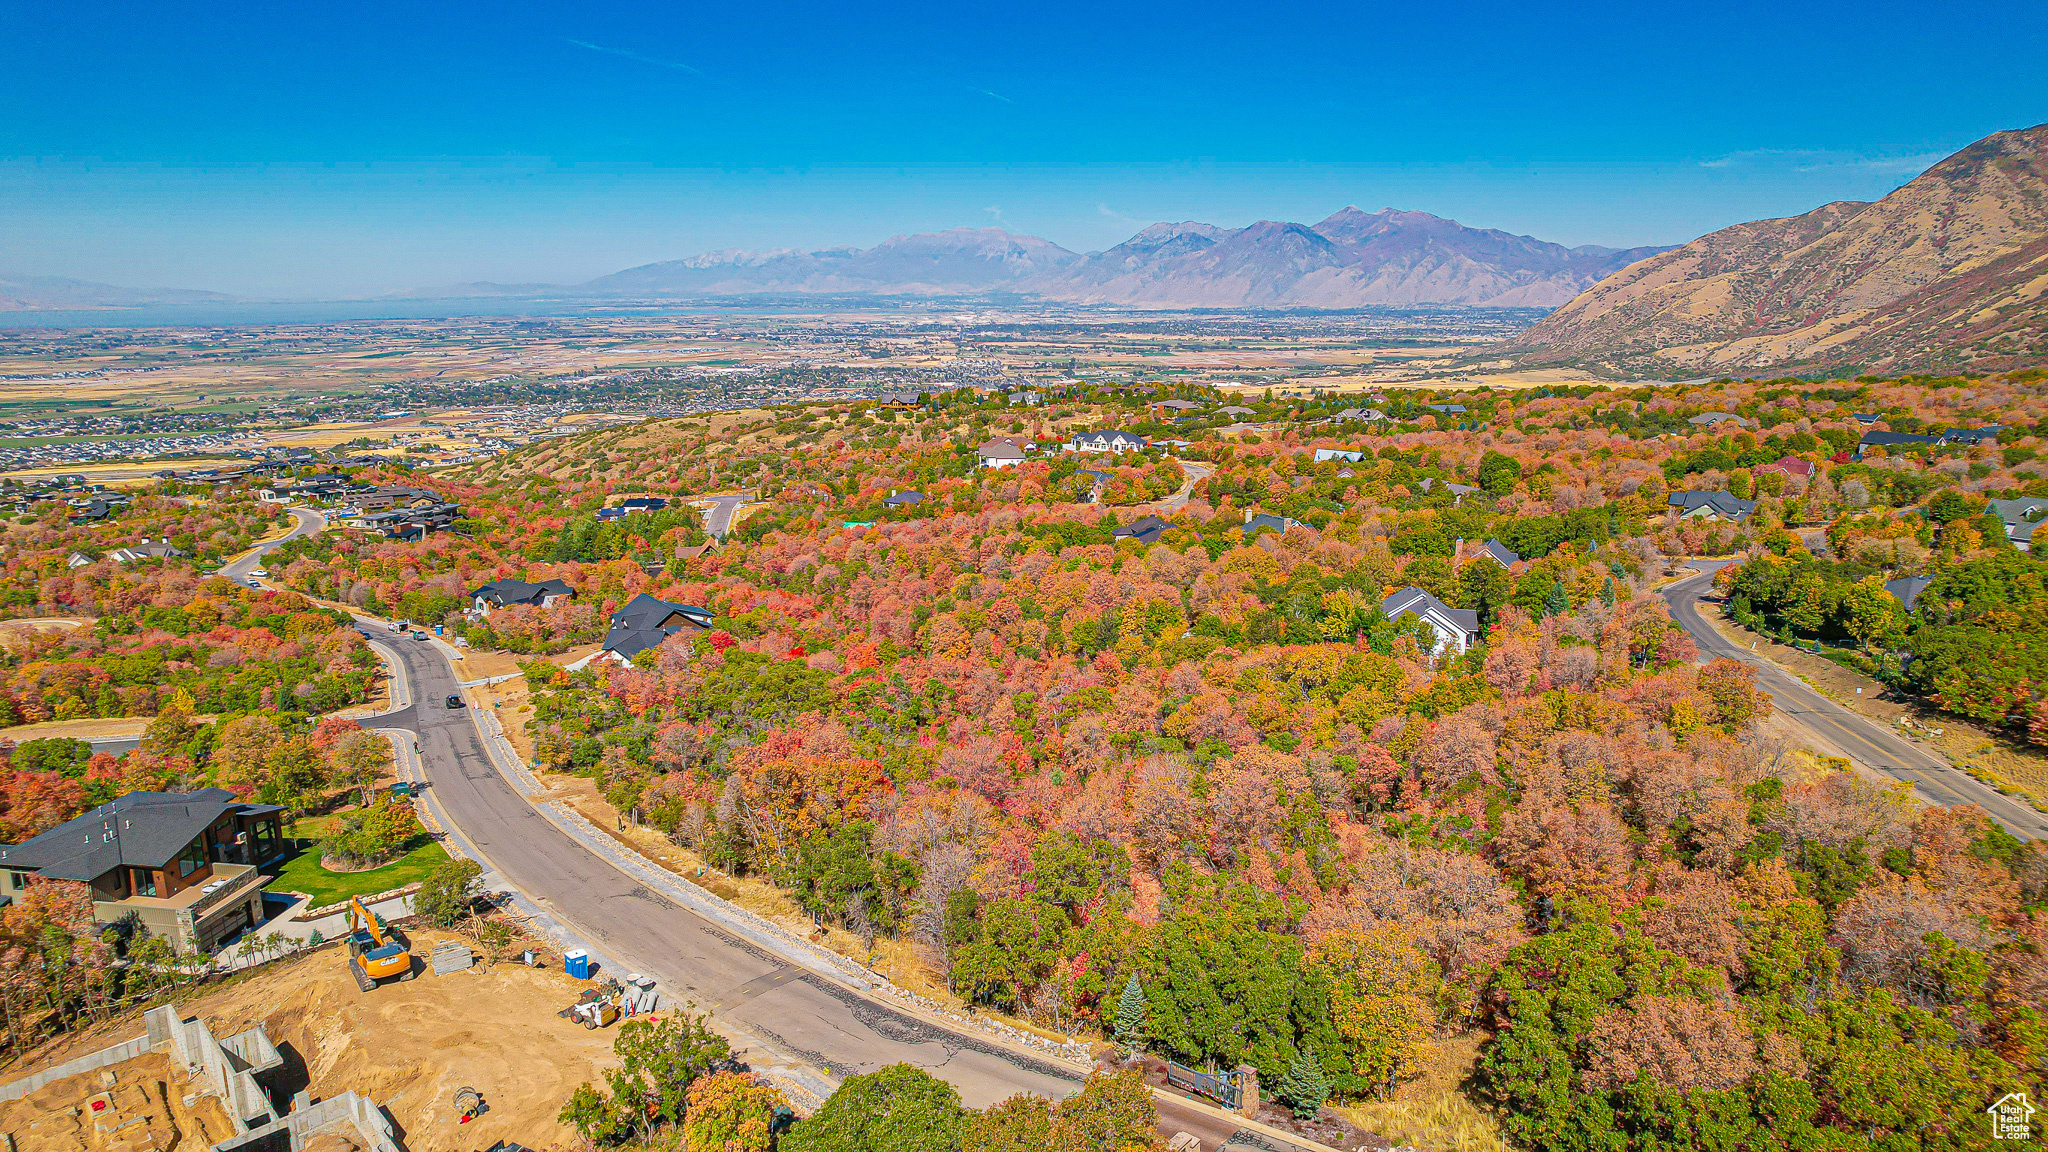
<point>373,953</point>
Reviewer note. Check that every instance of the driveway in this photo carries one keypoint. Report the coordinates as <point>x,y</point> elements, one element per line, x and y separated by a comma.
<point>1865,741</point>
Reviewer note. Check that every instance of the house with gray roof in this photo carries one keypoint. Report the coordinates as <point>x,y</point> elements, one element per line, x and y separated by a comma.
<point>1257,522</point>
<point>504,593</point>
<point>1497,552</point>
<point>1710,506</point>
<point>2021,517</point>
<point>1907,589</point>
<point>185,864</point>
<point>1145,531</point>
<point>1710,419</point>
<point>1456,629</point>
<point>647,620</point>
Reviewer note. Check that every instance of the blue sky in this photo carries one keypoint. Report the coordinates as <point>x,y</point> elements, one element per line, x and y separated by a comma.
<point>301,150</point>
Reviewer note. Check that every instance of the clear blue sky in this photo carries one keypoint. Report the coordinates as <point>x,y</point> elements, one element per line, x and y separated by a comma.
<point>317,149</point>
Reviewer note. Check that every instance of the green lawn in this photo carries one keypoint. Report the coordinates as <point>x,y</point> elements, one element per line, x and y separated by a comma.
<point>303,873</point>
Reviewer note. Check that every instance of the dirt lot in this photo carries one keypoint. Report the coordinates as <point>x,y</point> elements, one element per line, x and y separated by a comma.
<point>145,1110</point>
<point>1989,756</point>
<point>410,1045</point>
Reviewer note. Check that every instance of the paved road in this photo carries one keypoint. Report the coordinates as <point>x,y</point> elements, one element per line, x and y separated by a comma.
<point>310,522</point>
<point>810,1020</point>
<point>718,518</point>
<point>1196,473</point>
<point>1865,741</point>
<point>803,1018</point>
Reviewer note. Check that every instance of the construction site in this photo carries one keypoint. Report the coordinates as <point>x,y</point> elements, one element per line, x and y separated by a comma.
<point>308,1060</point>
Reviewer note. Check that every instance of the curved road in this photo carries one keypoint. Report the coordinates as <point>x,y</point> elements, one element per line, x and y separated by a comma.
<point>803,1018</point>
<point>796,1016</point>
<point>1865,741</point>
<point>310,522</point>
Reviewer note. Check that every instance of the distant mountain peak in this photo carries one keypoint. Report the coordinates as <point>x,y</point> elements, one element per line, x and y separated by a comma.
<point>1348,259</point>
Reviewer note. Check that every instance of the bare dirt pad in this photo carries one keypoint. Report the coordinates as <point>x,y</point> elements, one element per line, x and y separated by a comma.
<point>410,1045</point>
<point>145,1112</point>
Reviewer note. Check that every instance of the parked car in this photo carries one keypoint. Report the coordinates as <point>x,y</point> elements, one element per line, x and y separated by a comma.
<point>454,701</point>
<point>258,572</point>
<point>419,635</point>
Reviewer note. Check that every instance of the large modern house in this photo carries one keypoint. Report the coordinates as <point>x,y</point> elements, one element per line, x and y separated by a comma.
<point>646,621</point>
<point>184,863</point>
<point>1455,628</point>
<point>505,593</point>
<point>1146,530</point>
<point>1711,506</point>
<point>1110,441</point>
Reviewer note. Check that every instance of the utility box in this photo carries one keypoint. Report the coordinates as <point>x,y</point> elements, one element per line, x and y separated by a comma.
<point>576,963</point>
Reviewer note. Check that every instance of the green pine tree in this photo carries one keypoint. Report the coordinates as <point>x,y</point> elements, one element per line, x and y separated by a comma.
<point>1557,603</point>
<point>1607,592</point>
<point>1131,1024</point>
<point>1305,1087</point>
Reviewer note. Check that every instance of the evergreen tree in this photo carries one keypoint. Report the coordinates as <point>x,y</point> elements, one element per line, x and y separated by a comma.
<point>1305,1087</point>
<point>1130,1017</point>
<point>1607,592</point>
<point>1557,603</point>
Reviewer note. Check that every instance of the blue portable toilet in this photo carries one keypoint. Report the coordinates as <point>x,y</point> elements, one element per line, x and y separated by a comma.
<point>437,630</point>
<point>577,963</point>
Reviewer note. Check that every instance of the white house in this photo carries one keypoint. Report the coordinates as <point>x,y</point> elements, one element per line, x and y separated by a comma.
<point>1110,441</point>
<point>1001,452</point>
<point>1455,628</point>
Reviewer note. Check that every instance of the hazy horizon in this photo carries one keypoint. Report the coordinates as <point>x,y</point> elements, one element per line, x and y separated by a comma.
<point>315,154</point>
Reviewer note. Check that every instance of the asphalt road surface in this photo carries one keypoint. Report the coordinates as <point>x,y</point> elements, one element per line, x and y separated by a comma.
<point>804,1017</point>
<point>309,523</point>
<point>1865,741</point>
<point>718,518</point>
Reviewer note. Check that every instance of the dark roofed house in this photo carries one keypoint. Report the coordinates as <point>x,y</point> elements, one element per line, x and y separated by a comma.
<point>1987,434</point>
<point>1454,627</point>
<point>644,504</point>
<point>1711,506</point>
<point>186,864</point>
<point>1145,531</point>
<point>504,593</point>
<point>1907,589</point>
<point>1891,440</point>
<point>647,620</point>
<point>1865,418</point>
<point>903,499</point>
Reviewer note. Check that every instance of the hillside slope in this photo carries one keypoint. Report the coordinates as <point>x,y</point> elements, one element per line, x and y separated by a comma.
<point>1948,272</point>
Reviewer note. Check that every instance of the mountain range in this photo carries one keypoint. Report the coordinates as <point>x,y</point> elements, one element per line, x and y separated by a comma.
<point>41,293</point>
<point>1947,272</point>
<point>1350,259</point>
